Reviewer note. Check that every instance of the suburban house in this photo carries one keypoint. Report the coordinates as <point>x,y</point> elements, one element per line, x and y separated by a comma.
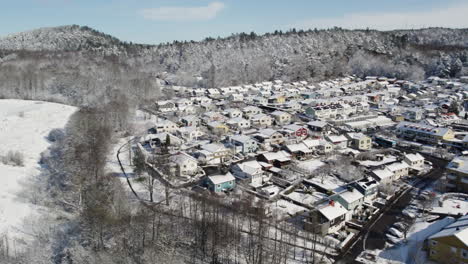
<point>238,123</point>
<point>359,141</point>
<point>281,117</point>
<point>383,176</point>
<point>214,153</point>
<point>218,127</point>
<point>261,120</point>
<point>233,112</point>
<point>213,116</point>
<point>277,159</point>
<point>243,144</point>
<point>328,218</point>
<point>190,120</point>
<point>295,131</point>
<point>269,136</point>
<point>190,133</point>
<point>319,126</point>
<point>399,169</point>
<point>414,160</point>
<point>185,164</point>
<point>457,177</point>
<point>249,170</point>
<point>299,151</point>
<point>368,186</point>
<point>426,133</point>
<point>221,183</point>
<point>251,111</point>
<point>260,100</point>
<point>450,245</point>
<point>338,141</point>
<point>350,199</point>
<point>166,126</point>
<point>166,106</point>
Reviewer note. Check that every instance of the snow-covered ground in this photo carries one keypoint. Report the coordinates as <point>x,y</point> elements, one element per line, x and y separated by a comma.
<point>24,126</point>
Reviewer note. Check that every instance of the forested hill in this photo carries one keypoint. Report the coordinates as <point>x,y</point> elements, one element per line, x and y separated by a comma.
<point>77,64</point>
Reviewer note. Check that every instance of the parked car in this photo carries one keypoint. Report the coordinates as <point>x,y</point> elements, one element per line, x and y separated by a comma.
<point>395,232</point>
<point>392,240</point>
<point>400,226</point>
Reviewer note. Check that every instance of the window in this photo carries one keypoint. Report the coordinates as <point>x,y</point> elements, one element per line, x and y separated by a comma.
<point>453,249</point>
<point>433,252</point>
<point>464,253</point>
<point>433,242</point>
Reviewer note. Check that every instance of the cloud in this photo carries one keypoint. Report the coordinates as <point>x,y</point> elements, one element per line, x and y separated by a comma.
<point>174,13</point>
<point>452,16</point>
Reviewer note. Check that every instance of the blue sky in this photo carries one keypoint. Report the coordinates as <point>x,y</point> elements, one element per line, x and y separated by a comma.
<point>155,21</point>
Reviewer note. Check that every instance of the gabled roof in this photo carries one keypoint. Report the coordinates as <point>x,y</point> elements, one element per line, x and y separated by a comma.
<point>414,157</point>
<point>459,229</point>
<point>397,166</point>
<point>214,147</point>
<point>383,173</point>
<point>218,179</point>
<point>333,211</point>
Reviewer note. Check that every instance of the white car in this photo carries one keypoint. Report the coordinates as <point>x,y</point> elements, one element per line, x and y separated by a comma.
<point>392,240</point>
<point>395,232</point>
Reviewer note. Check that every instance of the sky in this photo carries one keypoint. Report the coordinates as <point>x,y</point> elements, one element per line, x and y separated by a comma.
<point>158,21</point>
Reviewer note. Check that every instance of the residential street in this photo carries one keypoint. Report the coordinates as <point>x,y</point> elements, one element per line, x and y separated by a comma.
<point>373,236</point>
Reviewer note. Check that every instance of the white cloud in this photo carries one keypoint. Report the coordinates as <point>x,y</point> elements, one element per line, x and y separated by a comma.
<point>174,13</point>
<point>455,16</point>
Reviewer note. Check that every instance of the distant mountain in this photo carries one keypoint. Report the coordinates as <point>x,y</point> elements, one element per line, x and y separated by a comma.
<point>79,62</point>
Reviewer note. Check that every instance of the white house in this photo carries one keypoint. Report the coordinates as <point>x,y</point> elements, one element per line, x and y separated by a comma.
<point>251,110</point>
<point>249,170</point>
<point>399,169</point>
<point>281,117</point>
<point>414,160</point>
<point>190,133</point>
<point>186,165</point>
<point>165,126</point>
<point>261,120</point>
<point>233,112</point>
<point>238,123</point>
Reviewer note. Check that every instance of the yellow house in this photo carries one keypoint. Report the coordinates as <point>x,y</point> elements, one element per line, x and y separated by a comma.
<point>359,141</point>
<point>457,177</point>
<point>218,127</point>
<point>277,99</point>
<point>450,245</point>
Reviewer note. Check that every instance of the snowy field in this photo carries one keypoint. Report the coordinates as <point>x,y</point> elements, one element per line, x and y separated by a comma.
<point>24,126</point>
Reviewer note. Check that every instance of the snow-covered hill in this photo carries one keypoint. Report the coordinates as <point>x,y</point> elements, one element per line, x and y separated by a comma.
<point>24,126</point>
<point>64,38</point>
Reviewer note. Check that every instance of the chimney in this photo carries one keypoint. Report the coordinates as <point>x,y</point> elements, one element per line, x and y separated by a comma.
<point>332,203</point>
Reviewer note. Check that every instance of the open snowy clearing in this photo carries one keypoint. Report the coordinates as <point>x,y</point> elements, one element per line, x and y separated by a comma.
<point>24,126</point>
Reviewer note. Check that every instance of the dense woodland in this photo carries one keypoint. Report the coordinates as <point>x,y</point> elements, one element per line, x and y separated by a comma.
<point>78,64</point>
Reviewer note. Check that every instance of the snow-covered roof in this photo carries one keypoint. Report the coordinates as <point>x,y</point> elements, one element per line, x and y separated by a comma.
<point>333,211</point>
<point>250,167</point>
<point>383,173</point>
<point>397,166</point>
<point>182,158</point>
<point>280,156</point>
<point>213,147</point>
<point>459,229</point>
<point>351,196</point>
<point>317,123</point>
<point>298,147</point>
<point>218,179</point>
<point>414,157</point>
